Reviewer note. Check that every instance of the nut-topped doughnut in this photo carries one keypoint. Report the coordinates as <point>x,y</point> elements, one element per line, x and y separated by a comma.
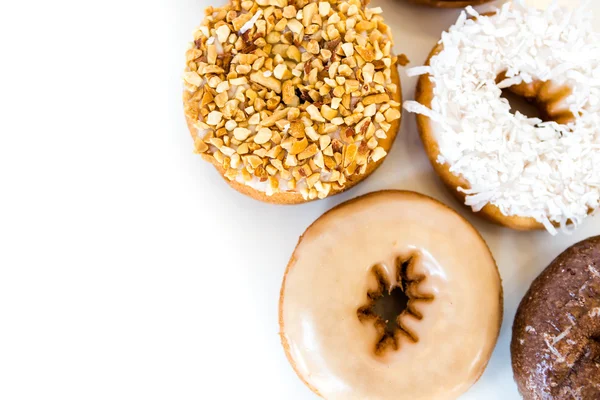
<point>434,341</point>
<point>556,335</point>
<point>521,172</point>
<point>292,100</point>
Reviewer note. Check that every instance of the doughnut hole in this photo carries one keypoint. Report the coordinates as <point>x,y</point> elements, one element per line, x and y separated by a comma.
<point>584,367</point>
<point>594,317</point>
<point>595,345</point>
<point>390,303</point>
<point>522,105</point>
<point>389,306</point>
<point>583,352</point>
<point>589,324</point>
<point>538,99</point>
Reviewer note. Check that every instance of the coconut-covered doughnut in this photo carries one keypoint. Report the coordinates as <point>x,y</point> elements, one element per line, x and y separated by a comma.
<point>556,335</point>
<point>521,172</point>
<point>292,100</point>
<point>450,3</point>
<point>439,336</point>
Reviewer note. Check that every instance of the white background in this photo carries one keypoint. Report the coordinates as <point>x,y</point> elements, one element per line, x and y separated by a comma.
<point>128,268</point>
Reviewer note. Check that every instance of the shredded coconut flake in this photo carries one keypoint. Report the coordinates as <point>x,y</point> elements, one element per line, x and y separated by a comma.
<point>248,25</point>
<point>554,351</point>
<point>416,71</point>
<point>562,335</point>
<point>525,167</point>
<point>414,107</point>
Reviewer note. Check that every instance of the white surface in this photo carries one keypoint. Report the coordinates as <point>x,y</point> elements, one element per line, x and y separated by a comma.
<point>128,268</point>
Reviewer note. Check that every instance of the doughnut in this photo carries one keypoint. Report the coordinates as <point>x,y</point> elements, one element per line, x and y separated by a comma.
<point>436,338</point>
<point>292,100</point>
<point>520,172</point>
<point>555,344</point>
<point>450,3</point>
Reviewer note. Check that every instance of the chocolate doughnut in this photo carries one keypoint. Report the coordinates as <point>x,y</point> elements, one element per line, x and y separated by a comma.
<point>556,335</point>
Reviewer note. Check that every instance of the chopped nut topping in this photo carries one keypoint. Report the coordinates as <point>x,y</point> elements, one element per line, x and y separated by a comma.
<point>214,118</point>
<point>223,33</point>
<point>192,78</point>
<point>314,113</point>
<point>308,152</point>
<point>267,81</point>
<point>292,96</point>
<point>201,147</point>
<point>241,134</point>
<point>392,114</point>
<point>378,154</point>
<point>324,142</point>
<point>298,146</point>
<point>263,136</point>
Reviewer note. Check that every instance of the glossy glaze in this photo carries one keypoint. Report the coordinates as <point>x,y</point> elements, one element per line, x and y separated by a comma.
<point>330,274</point>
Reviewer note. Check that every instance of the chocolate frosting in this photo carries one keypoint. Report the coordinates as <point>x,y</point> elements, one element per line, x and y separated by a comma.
<point>556,335</point>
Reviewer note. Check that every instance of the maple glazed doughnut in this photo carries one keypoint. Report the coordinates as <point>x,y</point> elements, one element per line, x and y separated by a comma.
<point>292,100</point>
<point>390,243</point>
<point>520,172</point>
<point>555,346</point>
<point>450,3</point>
